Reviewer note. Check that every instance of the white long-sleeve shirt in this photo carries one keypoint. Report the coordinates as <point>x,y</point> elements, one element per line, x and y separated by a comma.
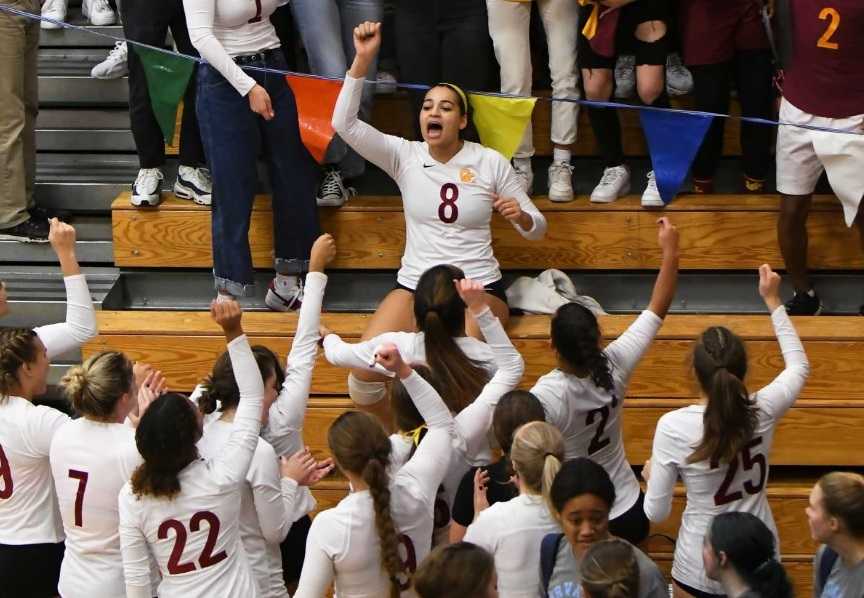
<point>343,544</point>
<point>735,486</point>
<point>28,505</point>
<point>589,417</point>
<point>512,532</point>
<point>222,29</point>
<point>195,537</point>
<point>448,207</point>
<point>90,462</point>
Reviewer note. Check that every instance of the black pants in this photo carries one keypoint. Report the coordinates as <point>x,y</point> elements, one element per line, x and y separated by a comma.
<point>148,21</point>
<point>293,550</point>
<point>30,570</point>
<point>445,41</point>
<point>752,72</point>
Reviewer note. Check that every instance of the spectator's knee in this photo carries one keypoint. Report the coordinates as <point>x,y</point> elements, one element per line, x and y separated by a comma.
<point>649,88</point>
<point>650,31</point>
<point>598,84</point>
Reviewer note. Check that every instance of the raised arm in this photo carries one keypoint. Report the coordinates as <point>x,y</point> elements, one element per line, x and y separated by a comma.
<point>362,355</point>
<point>284,430</point>
<point>80,324</point>
<point>667,278</point>
<point>232,463</point>
<point>380,149</point>
<point>776,398</point>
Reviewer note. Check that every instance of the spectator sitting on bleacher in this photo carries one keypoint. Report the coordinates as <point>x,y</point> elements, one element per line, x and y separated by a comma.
<point>727,427</point>
<point>823,87</point>
<point>722,41</point>
<point>836,518</point>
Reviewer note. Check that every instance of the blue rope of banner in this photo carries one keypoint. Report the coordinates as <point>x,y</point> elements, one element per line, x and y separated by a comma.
<point>422,87</point>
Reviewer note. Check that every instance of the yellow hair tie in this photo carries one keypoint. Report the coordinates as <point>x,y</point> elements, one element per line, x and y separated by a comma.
<point>590,28</point>
<point>461,93</point>
<point>414,434</point>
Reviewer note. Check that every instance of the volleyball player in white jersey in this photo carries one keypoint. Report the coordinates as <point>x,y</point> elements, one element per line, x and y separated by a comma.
<point>449,187</point>
<point>31,533</point>
<point>183,509</point>
<point>584,396</point>
<point>92,457</point>
<point>369,545</point>
<point>471,447</point>
<point>513,530</point>
<point>720,446</point>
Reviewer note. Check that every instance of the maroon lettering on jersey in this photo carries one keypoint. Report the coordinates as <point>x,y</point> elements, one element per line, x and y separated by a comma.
<point>826,76</point>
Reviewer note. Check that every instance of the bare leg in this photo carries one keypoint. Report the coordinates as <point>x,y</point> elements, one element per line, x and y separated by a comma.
<point>793,239</point>
<point>498,307</point>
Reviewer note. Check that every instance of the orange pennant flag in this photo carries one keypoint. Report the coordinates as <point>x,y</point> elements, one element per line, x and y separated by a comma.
<point>316,99</point>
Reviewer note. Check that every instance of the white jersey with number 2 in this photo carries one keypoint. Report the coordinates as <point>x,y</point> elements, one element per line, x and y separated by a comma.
<point>448,207</point>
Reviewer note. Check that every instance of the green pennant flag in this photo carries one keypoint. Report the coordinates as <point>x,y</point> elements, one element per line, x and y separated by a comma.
<point>501,121</point>
<point>167,78</point>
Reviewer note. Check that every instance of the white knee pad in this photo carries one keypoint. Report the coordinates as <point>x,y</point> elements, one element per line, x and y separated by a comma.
<point>366,393</point>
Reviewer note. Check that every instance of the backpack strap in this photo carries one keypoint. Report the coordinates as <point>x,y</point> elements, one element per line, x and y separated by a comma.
<point>826,563</point>
<point>548,556</point>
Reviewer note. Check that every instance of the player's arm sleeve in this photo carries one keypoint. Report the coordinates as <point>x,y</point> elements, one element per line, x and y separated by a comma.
<point>479,532</point>
<point>43,428</point>
<point>284,430</point>
<point>554,407</point>
<point>318,570</point>
<point>359,356</point>
<point>776,398</point>
<point>134,550</point>
<point>664,474</point>
<point>474,421</point>
<point>509,186</point>
<point>627,350</point>
<point>199,21</point>
<point>80,324</point>
<point>232,463</point>
<point>384,151</point>
<point>273,496</point>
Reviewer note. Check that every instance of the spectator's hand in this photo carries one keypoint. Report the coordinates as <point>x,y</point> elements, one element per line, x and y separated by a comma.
<point>228,315</point>
<point>62,238</point>
<point>367,40</point>
<point>667,236</point>
<point>298,466</point>
<point>481,481</point>
<point>389,357</point>
<point>4,305</point>
<point>322,254</point>
<point>472,293</point>
<point>769,287</point>
<point>259,102</point>
<point>507,207</point>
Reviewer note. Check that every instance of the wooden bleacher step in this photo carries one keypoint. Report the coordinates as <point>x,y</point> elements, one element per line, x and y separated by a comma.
<point>719,232</point>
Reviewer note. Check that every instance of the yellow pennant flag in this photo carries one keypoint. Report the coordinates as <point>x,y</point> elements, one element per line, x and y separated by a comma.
<point>501,121</point>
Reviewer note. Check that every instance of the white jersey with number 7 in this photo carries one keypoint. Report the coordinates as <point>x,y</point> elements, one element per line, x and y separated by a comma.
<point>714,488</point>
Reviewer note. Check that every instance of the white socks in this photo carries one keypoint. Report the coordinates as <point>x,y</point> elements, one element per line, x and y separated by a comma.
<point>561,155</point>
<point>524,164</point>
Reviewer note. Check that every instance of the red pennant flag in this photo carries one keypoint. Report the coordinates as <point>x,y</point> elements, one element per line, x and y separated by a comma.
<point>316,99</point>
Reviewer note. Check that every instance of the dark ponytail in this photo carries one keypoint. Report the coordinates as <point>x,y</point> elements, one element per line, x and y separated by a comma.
<point>220,388</point>
<point>749,547</point>
<point>576,336</point>
<point>440,315</point>
<point>166,438</point>
<point>730,419</point>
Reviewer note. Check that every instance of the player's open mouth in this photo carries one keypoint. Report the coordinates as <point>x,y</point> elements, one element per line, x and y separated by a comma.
<point>434,130</point>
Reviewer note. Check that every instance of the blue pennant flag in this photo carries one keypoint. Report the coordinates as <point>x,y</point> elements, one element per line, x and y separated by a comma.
<point>673,140</point>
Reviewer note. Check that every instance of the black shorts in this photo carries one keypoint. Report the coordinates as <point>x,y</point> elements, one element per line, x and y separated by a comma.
<point>632,525</point>
<point>30,570</point>
<point>632,15</point>
<point>496,289</point>
<point>694,592</point>
<point>293,550</point>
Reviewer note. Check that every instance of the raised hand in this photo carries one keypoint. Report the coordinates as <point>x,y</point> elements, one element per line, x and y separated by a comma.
<point>481,481</point>
<point>228,315</point>
<point>322,470</point>
<point>367,40</point>
<point>667,236</point>
<point>769,287</point>
<point>4,305</point>
<point>151,388</point>
<point>472,293</point>
<point>298,466</point>
<point>323,253</point>
<point>62,237</point>
<point>388,356</point>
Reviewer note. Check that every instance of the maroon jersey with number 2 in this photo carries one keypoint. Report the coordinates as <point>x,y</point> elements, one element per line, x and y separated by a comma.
<point>826,76</point>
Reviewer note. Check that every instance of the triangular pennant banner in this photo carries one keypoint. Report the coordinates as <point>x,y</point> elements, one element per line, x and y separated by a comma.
<point>501,121</point>
<point>316,99</point>
<point>673,140</point>
<point>167,78</point>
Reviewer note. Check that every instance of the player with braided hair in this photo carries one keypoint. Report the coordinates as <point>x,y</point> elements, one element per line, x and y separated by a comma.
<point>719,447</point>
<point>31,533</point>
<point>584,395</point>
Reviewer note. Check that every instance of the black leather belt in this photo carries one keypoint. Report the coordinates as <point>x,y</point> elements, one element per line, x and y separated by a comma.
<point>259,57</point>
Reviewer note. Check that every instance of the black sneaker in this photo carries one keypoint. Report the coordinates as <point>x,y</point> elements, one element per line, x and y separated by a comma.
<point>804,304</point>
<point>34,230</point>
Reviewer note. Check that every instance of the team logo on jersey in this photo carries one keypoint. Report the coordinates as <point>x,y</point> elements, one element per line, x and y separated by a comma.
<point>466,175</point>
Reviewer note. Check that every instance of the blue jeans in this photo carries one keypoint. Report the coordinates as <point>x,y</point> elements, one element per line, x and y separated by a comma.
<point>327,29</point>
<point>233,135</point>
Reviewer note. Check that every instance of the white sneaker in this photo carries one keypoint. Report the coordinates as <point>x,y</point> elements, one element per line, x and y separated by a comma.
<point>53,9</point>
<point>614,183</point>
<point>114,66</point>
<point>525,175</point>
<point>147,189</point>
<point>625,77</point>
<point>332,191</point>
<point>98,12</point>
<point>282,299</point>
<point>651,197</point>
<point>561,181</point>
<point>679,80</point>
<point>195,184</point>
